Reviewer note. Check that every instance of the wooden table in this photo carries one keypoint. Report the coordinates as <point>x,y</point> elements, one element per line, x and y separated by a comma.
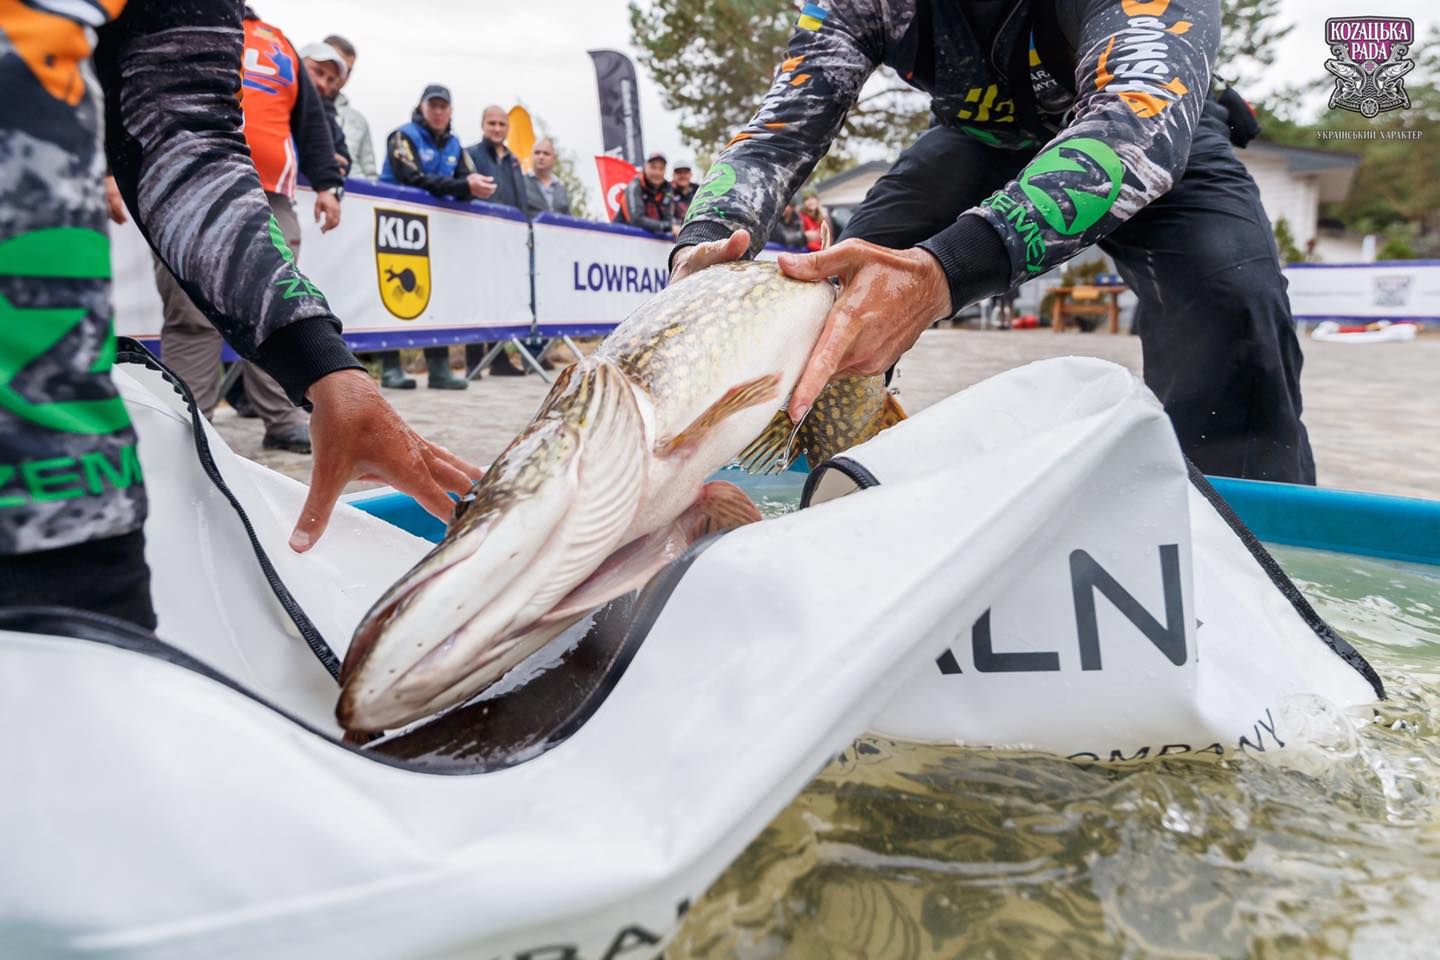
<point>1086,300</point>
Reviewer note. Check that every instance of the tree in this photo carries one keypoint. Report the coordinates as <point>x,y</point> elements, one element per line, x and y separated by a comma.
<point>1285,241</point>
<point>565,173</point>
<point>714,59</point>
<point>1249,33</point>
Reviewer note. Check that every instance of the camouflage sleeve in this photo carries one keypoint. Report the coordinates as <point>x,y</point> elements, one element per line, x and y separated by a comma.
<point>170,73</point>
<point>1142,76</point>
<point>834,49</point>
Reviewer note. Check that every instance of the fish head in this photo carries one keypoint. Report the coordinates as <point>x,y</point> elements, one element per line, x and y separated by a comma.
<point>526,536</point>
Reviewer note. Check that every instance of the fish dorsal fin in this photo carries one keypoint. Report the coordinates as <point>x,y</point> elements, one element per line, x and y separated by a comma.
<point>825,236</point>
<point>764,389</point>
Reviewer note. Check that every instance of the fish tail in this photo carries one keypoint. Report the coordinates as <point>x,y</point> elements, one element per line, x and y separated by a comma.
<point>849,411</point>
<point>891,413</point>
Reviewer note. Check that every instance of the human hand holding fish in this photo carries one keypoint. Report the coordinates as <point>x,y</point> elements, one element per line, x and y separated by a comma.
<point>887,299</point>
<point>358,435</point>
<point>609,483</point>
<point>695,258</point>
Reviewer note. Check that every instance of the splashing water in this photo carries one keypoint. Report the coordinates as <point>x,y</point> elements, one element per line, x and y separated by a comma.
<point>906,850</point>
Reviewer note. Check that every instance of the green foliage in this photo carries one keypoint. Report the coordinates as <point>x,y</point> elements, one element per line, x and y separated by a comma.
<point>574,186</point>
<point>1285,240</point>
<point>1250,31</point>
<point>1397,246</point>
<point>565,173</point>
<point>714,59</point>
<point>1397,184</point>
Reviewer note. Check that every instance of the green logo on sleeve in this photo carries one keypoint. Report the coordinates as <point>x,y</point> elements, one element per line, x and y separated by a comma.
<point>1083,174</point>
<point>26,335</point>
<point>277,237</point>
<point>297,284</point>
<point>718,185</point>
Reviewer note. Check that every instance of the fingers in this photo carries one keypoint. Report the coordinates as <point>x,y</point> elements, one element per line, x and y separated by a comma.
<point>446,474</point>
<point>326,485</point>
<point>702,255</point>
<point>468,470</point>
<point>428,494</point>
<point>837,261</point>
<point>820,368</point>
<point>736,246</point>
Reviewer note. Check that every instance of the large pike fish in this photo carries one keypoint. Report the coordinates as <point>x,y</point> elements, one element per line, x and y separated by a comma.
<point>607,485</point>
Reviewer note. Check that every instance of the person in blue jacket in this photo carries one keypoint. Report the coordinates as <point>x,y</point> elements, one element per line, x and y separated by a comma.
<point>426,153</point>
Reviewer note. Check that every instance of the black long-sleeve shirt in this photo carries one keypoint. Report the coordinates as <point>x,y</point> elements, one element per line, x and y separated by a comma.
<point>169,72</point>
<point>1104,95</point>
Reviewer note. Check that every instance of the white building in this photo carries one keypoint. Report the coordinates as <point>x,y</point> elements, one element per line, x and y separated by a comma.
<point>1293,183</point>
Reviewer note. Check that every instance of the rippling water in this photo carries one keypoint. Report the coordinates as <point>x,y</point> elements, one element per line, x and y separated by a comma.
<point>901,850</point>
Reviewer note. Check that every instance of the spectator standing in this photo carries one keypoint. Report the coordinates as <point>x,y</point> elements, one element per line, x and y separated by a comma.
<point>355,130</point>
<point>426,153</point>
<point>327,71</point>
<point>495,160</point>
<point>683,186</point>
<point>352,122</point>
<point>282,110</point>
<point>545,191</point>
<point>788,230</point>
<point>648,200</point>
<point>813,219</point>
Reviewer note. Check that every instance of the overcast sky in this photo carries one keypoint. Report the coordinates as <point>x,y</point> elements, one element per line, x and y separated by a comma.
<point>509,51</point>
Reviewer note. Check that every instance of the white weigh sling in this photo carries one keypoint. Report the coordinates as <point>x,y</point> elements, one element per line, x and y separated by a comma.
<point>1028,564</point>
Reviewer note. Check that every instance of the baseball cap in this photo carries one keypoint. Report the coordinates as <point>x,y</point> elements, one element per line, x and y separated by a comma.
<point>680,165</point>
<point>436,91</point>
<point>323,52</point>
<point>657,155</point>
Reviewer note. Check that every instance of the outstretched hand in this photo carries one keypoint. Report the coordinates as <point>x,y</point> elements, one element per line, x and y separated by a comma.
<point>887,299</point>
<point>356,434</point>
<point>695,258</point>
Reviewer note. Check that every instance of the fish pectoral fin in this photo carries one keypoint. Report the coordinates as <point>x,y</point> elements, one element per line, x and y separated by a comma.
<point>771,451</point>
<point>720,506</point>
<point>764,389</point>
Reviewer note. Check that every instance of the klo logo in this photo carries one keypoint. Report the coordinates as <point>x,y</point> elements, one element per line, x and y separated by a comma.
<point>402,261</point>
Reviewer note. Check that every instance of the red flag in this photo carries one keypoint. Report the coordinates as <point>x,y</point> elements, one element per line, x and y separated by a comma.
<point>615,176</point>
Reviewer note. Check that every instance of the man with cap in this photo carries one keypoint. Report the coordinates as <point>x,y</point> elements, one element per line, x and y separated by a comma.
<point>683,187</point>
<point>426,153</point>
<point>648,201</point>
<point>328,71</point>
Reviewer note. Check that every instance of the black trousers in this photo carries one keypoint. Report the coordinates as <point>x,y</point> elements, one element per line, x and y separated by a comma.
<point>1216,333</point>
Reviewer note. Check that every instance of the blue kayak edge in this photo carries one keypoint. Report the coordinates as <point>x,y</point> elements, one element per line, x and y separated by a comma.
<point>1341,521</point>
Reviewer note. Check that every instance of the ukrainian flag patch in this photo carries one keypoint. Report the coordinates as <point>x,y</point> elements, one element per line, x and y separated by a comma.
<point>812,17</point>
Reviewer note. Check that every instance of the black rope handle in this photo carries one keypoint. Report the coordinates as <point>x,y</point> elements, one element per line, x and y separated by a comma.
<point>130,350</point>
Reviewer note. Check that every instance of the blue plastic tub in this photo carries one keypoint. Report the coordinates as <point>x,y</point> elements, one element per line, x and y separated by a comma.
<point>1343,521</point>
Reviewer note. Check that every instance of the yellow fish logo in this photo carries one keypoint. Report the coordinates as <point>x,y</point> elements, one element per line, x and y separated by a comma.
<point>402,261</point>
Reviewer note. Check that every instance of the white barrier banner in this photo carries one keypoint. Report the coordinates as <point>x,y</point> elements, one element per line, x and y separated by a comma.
<point>1388,290</point>
<point>590,276</point>
<point>404,269</point>
<point>401,269</point>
